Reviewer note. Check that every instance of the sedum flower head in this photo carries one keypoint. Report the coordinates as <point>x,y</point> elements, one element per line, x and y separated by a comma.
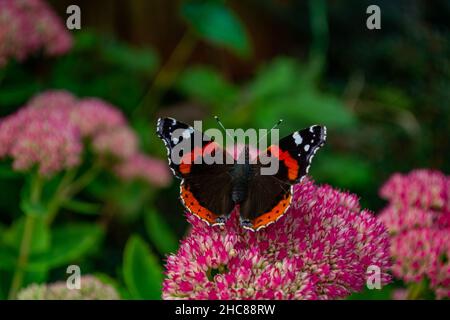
<point>418,218</point>
<point>50,131</point>
<point>320,249</point>
<point>28,26</point>
<point>145,168</point>
<point>120,143</point>
<point>39,134</point>
<point>91,289</point>
<point>92,115</point>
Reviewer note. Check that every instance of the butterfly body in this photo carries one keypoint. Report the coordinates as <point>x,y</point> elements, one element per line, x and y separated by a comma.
<point>241,174</point>
<point>212,191</point>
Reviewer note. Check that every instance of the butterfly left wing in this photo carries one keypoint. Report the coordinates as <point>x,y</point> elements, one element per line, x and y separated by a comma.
<point>269,196</point>
<point>205,188</point>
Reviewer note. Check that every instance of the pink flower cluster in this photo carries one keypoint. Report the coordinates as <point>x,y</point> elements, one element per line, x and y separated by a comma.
<point>143,167</point>
<point>27,26</point>
<point>50,131</point>
<point>418,218</point>
<point>320,249</point>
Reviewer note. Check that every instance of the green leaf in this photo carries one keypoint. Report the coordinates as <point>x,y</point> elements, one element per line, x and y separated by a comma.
<point>207,85</point>
<point>81,207</point>
<point>136,60</point>
<point>344,171</point>
<point>106,279</point>
<point>36,209</point>
<point>283,89</point>
<point>18,93</point>
<point>33,185</point>
<point>217,24</point>
<point>40,235</point>
<point>279,77</point>
<point>69,243</point>
<point>160,233</point>
<point>8,259</point>
<point>11,240</point>
<point>142,272</point>
<point>6,170</point>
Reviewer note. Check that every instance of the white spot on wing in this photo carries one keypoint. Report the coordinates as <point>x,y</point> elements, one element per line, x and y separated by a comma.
<point>306,147</point>
<point>297,138</point>
<point>187,133</point>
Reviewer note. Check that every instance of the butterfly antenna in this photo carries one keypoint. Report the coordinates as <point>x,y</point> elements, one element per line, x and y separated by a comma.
<point>274,127</point>
<point>221,125</point>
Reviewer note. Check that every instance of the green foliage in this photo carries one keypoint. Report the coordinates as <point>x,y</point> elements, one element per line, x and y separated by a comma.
<point>141,270</point>
<point>284,89</point>
<point>49,249</point>
<point>217,24</point>
<point>6,171</point>
<point>375,294</point>
<point>40,241</point>
<point>160,233</point>
<point>81,207</point>
<point>346,171</point>
<point>208,86</point>
<point>68,244</point>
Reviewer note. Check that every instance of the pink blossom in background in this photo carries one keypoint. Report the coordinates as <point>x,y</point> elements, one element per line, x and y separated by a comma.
<point>120,143</point>
<point>421,188</point>
<point>93,115</point>
<point>28,26</point>
<point>417,218</point>
<point>40,134</point>
<point>53,100</point>
<point>50,132</point>
<point>38,144</point>
<point>400,294</point>
<point>320,249</point>
<point>146,168</point>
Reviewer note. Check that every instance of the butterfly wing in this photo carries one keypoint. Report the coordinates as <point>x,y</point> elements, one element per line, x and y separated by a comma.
<point>205,189</point>
<point>269,196</point>
<point>268,199</point>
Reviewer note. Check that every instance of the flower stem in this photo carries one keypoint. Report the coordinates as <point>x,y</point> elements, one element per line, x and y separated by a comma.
<point>69,188</point>
<point>60,195</point>
<point>416,290</point>
<point>168,73</point>
<point>86,178</point>
<point>25,245</point>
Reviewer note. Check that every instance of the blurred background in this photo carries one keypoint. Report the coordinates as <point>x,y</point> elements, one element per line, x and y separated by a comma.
<point>384,96</point>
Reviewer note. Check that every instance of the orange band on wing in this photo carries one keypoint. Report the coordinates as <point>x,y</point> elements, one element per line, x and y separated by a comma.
<point>189,158</point>
<point>274,214</point>
<point>194,207</point>
<point>289,162</point>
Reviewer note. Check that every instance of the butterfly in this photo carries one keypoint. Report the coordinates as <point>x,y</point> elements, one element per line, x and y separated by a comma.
<point>211,191</point>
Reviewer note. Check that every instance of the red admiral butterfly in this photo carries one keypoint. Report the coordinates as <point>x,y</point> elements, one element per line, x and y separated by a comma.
<point>211,191</point>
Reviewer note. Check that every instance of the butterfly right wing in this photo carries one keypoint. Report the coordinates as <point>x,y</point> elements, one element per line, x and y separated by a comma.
<point>269,196</point>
